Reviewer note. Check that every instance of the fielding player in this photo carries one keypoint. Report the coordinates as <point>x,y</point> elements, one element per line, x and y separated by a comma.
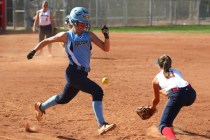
<point>170,82</point>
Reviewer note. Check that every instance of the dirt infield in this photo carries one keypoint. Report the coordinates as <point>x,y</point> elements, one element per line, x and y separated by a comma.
<point>130,68</point>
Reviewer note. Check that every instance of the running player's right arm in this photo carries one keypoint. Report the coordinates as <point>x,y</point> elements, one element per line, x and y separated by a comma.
<point>60,37</point>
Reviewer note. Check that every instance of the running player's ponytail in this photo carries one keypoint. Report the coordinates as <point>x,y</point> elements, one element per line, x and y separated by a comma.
<point>165,63</point>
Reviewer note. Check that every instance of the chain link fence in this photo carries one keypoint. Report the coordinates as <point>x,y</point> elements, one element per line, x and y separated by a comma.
<point>116,13</point>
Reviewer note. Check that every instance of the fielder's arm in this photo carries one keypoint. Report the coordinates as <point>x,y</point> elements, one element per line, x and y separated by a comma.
<point>36,20</point>
<point>163,92</point>
<point>156,89</point>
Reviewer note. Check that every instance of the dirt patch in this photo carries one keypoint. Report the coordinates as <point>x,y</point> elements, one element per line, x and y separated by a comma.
<point>130,68</point>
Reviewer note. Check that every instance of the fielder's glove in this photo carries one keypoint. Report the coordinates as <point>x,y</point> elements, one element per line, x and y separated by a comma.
<point>31,54</point>
<point>105,31</point>
<point>145,112</point>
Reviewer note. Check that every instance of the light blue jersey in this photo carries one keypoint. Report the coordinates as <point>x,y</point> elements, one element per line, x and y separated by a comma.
<point>79,48</point>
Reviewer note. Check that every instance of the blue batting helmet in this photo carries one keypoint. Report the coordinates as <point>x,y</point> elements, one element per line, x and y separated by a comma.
<point>80,14</point>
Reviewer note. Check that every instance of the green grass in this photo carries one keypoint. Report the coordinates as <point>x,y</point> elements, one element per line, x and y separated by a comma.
<point>176,29</point>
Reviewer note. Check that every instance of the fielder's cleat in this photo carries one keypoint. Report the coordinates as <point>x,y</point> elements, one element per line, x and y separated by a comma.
<point>39,112</point>
<point>105,127</point>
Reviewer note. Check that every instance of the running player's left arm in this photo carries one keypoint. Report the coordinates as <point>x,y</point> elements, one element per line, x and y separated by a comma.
<point>105,46</point>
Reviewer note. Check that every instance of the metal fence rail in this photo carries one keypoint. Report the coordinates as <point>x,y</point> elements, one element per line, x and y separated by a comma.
<point>114,12</point>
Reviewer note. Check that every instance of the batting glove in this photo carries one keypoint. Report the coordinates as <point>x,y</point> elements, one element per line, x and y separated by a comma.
<point>31,54</point>
<point>105,31</point>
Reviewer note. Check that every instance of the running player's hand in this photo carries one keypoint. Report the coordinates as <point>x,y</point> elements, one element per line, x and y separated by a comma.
<point>31,54</point>
<point>105,31</point>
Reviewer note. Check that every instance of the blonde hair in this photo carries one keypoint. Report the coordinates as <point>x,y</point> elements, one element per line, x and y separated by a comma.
<point>165,62</point>
<point>44,2</point>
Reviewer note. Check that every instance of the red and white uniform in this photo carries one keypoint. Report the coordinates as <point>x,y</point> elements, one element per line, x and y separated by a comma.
<point>175,80</point>
<point>44,17</point>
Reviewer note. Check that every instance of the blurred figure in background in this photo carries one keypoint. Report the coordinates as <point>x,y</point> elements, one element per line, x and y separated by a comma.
<point>44,20</point>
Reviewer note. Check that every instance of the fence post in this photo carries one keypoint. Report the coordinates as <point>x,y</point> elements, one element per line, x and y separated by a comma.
<point>96,13</point>
<point>175,12</point>
<point>150,12</point>
<point>125,13</point>
<point>14,8</point>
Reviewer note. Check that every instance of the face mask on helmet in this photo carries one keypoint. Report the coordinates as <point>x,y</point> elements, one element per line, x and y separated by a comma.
<point>79,14</point>
<point>67,20</point>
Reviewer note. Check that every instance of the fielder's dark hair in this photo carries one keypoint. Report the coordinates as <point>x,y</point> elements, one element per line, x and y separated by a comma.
<point>164,61</point>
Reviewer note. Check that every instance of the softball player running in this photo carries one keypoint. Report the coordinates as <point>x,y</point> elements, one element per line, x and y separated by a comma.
<point>180,93</point>
<point>78,50</point>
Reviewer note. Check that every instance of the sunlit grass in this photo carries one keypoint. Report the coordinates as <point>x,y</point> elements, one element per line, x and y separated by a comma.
<point>177,28</point>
